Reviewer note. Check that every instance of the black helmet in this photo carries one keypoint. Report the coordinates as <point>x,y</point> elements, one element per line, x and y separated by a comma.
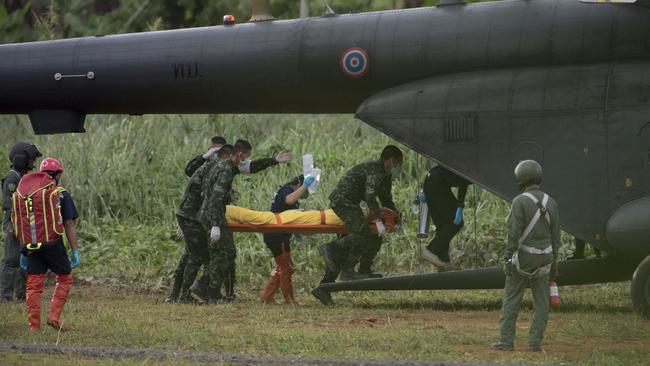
<point>528,172</point>
<point>21,154</point>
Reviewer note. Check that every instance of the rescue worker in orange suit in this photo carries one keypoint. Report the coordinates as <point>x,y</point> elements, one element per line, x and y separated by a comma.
<point>52,256</point>
<point>280,244</point>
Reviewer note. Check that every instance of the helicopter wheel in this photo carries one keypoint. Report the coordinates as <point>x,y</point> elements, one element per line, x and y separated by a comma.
<point>641,288</point>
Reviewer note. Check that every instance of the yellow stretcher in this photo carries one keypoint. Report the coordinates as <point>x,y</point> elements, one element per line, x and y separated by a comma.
<point>296,221</point>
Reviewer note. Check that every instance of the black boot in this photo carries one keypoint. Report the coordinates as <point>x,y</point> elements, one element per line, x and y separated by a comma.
<point>325,251</point>
<point>347,269</point>
<point>323,296</point>
<point>176,290</point>
<point>213,295</point>
<point>329,276</point>
<point>369,273</point>
<point>186,298</point>
<point>229,286</point>
<point>199,289</point>
<point>178,278</point>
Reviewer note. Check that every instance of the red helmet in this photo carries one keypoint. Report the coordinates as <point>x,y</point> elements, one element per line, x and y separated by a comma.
<point>51,165</point>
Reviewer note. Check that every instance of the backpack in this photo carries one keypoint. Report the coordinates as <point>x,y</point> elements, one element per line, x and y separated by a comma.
<point>36,210</point>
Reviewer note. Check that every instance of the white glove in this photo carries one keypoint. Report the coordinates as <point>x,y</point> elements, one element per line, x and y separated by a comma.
<point>381,229</point>
<point>283,157</point>
<point>215,234</point>
<point>208,154</point>
<point>179,233</point>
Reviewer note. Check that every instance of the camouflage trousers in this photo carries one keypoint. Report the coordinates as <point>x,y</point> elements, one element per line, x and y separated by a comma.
<point>349,261</point>
<point>359,241</point>
<point>196,248</point>
<point>221,267</point>
<point>12,277</point>
<point>512,295</point>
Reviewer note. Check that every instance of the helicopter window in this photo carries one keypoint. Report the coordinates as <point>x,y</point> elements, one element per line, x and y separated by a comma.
<point>608,1</point>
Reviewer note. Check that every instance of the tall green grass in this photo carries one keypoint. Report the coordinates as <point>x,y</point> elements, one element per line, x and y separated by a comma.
<point>126,175</point>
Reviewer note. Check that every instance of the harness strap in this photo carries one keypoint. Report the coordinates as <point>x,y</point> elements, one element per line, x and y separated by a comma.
<point>540,211</point>
<point>539,272</point>
<point>531,250</point>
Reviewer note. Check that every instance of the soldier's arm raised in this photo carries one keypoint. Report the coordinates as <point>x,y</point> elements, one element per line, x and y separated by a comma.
<point>257,165</point>
<point>194,164</point>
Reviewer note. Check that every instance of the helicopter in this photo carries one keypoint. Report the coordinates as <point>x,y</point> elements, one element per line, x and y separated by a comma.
<point>475,87</point>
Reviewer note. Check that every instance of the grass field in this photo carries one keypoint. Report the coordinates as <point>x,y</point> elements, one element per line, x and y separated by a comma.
<point>595,326</point>
<point>126,177</point>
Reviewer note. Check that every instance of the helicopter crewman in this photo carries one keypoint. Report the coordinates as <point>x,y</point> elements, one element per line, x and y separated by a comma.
<point>12,278</point>
<point>530,255</point>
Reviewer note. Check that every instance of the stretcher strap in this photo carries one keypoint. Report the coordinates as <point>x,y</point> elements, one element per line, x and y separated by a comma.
<point>278,219</point>
<point>323,221</point>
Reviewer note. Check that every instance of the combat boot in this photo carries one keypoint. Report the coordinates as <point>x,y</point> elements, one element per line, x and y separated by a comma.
<point>366,270</point>
<point>229,287</point>
<point>323,296</point>
<point>176,291</point>
<point>326,252</point>
<point>186,298</point>
<point>351,276</point>
<point>59,298</point>
<point>501,346</point>
<point>199,289</point>
<point>214,296</point>
<point>536,347</point>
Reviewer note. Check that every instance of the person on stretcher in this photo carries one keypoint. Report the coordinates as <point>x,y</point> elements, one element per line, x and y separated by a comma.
<point>298,221</point>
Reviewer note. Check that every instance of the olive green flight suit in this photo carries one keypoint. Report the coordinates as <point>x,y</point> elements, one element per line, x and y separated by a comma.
<point>543,234</point>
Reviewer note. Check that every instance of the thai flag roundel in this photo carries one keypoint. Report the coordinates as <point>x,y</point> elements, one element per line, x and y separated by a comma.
<point>354,62</point>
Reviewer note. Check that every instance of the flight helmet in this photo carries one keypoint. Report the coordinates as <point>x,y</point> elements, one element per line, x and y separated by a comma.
<point>21,154</point>
<point>528,172</point>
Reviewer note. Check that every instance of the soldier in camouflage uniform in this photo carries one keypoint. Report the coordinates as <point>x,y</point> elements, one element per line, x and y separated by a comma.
<point>365,182</point>
<point>216,143</point>
<point>12,277</point>
<point>196,240</point>
<point>216,188</point>
<point>193,204</point>
<point>530,255</point>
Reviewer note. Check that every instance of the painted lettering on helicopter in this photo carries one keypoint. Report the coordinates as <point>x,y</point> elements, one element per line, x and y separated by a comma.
<point>186,70</point>
<point>354,62</point>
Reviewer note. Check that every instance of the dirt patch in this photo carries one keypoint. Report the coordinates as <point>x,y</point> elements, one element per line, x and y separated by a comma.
<point>206,357</point>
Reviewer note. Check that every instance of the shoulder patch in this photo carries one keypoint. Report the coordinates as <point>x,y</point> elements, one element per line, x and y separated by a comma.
<point>11,187</point>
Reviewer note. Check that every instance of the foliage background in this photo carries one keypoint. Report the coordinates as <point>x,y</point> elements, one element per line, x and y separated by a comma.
<point>126,173</point>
